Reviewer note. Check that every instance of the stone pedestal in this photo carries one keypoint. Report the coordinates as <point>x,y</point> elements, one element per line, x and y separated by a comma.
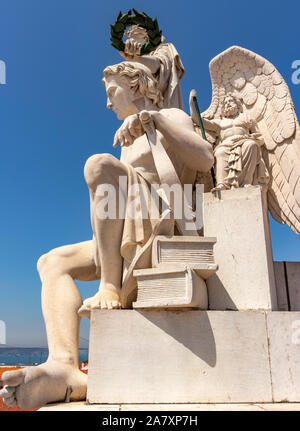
<point>284,346</point>
<point>161,357</point>
<point>189,357</point>
<point>245,278</point>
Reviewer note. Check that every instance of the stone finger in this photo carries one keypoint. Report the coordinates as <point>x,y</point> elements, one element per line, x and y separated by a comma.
<point>133,132</point>
<point>103,304</point>
<point>128,46</point>
<point>138,49</point>
<point>116,140</point>
<point>109,305</point>
<point>131,47</point>
<point>122,139</point>
<point>128,137</point>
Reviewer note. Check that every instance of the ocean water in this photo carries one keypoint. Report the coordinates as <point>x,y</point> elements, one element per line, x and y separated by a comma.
<point>30,355</point>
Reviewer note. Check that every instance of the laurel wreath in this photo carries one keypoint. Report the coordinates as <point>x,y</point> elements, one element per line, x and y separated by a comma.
<point>141,19</point>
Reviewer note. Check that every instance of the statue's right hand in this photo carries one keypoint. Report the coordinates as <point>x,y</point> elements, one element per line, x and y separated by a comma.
<point>130,130</point>
<point>132,49</point>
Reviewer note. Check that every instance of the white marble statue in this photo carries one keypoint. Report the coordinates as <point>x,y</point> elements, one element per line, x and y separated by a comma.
<point>131,90</point>
<point>257,136</point>
<point>238,158</point>
<point>164,62</point>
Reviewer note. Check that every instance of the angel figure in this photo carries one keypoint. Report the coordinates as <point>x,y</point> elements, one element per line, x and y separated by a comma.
<point>253,116</point>
<point>164,63</point>
<point>238,159</point>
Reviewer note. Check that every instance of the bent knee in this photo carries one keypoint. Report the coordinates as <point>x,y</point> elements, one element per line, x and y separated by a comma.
<point>220,152</point>
<point>251,145</point>
<point>52,261</point>
<point>96,167</point>
<point>41,263</point>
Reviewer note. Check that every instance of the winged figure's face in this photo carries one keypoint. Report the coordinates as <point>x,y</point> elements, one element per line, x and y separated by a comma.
<point>230,107</point>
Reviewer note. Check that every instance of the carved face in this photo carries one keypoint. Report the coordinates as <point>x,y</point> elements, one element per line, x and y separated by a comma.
<point>137,33</point>
<point>230,107</point>
<point>120,98</point>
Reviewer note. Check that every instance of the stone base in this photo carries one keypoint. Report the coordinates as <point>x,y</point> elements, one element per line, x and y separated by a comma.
<point>83,406</point>
<point>162,357</point>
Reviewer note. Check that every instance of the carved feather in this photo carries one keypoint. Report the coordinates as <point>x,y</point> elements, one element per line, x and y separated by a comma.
<point>267,101</point>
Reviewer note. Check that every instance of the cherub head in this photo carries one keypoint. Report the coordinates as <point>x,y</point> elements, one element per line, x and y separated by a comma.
<point>137,33</point>
<point>131,85</point>
<point>231,106</point>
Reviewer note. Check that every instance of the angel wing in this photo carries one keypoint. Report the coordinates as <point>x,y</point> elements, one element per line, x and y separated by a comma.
<point>267,101</point>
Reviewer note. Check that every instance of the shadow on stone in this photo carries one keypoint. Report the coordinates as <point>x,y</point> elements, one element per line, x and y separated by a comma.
<point>190,328</point>
<point>218,297</point>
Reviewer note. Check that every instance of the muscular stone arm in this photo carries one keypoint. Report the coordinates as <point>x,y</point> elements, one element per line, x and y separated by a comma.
<point>196,153</point>
<point>211,125</point>
<point>152,63</point>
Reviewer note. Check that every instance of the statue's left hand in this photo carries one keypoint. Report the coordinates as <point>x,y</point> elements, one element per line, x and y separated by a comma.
<point>130,130</point>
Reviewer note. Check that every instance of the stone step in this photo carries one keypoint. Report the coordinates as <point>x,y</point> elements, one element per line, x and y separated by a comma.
<point>82,405</point>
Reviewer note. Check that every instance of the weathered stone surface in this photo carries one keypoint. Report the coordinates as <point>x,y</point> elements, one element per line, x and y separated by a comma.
<point>293,278</point>
<point>245,278</point>
<point>178,357</point>
<point>78,406</point>
<point>284,344</point>
<point>281,288</point>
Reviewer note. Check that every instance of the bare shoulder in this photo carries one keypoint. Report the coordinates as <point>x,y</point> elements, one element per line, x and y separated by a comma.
<point>179,116</point>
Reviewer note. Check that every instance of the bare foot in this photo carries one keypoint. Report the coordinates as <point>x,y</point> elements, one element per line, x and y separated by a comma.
<point>33,387</point>
<point>220,186</point>
<point>105,298</point>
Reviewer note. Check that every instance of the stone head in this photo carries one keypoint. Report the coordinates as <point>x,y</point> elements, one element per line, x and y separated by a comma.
<point>130,85</point>
<point>137,33</point>
<point>231,106</point>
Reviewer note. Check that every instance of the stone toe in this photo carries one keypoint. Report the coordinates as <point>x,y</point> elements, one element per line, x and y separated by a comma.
<point>13,378</point>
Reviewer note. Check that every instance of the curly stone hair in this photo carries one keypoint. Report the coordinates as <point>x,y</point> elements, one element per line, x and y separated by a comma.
<point>136,30</point>
<point>138,77</point>
<point>235,98</point>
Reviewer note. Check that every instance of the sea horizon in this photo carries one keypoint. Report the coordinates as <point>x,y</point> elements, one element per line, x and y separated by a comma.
<point>20,356</point>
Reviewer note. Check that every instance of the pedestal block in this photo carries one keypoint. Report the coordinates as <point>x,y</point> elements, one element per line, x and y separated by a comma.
<point>245,277</point>
<point>178,357</point>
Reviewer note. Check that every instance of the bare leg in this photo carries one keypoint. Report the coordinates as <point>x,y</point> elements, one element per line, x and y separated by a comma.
<point>59,377</point>
<point>221,167</point>
<point>105,169</point>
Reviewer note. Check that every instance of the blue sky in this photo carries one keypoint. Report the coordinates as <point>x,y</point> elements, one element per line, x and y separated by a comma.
<point>53,116</point>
